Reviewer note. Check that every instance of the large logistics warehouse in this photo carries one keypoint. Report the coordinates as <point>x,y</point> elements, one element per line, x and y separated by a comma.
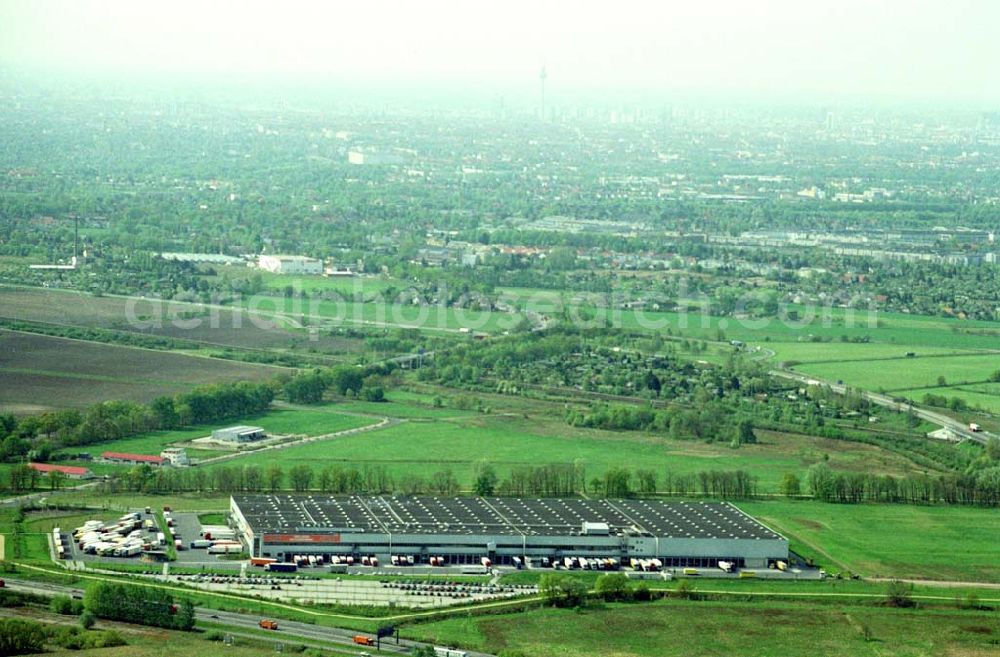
<point>465,530</point>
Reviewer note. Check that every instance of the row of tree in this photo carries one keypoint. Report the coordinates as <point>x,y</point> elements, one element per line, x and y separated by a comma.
<point>981,487</point>
<point>548,480</point>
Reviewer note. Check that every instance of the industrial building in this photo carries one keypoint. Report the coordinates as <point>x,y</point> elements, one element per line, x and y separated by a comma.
<point>466,530</point>
<point>239,434</point>
<point>290,264</point>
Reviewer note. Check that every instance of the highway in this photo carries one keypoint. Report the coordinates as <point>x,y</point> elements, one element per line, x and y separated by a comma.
<point>287,630</point>
<point>943,421</point>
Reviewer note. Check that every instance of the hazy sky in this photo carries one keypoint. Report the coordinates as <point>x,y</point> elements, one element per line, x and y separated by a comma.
<point>940,49</point>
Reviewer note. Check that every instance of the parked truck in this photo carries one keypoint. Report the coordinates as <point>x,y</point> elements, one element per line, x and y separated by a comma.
<point>281,567</point>
<point>196,545</point>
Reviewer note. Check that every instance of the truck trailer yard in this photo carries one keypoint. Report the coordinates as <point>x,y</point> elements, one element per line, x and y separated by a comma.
<point>138,536</point>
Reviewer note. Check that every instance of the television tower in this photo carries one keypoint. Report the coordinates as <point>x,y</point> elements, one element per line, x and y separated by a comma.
<point>542,76</point>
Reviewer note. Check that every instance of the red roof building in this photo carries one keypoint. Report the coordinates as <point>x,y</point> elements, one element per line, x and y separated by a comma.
<point>135,459</point>
<point>70,471</point>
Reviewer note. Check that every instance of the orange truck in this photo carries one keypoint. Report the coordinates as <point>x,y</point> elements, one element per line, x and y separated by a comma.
<point>268,624</point>
<point>362,640</point>
<point>261,562</point>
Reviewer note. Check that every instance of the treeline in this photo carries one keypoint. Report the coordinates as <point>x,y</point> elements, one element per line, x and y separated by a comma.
<point>980,488</point>
<point>568,479</point>
<point>141,605</point>
<point>37,436</point>
<point>548,480</point>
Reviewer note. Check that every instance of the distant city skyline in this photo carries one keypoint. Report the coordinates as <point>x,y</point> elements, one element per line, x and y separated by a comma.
<point>890,49</point>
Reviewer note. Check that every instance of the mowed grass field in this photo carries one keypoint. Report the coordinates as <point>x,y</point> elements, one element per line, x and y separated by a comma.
<point>917,542</point>
<point>41,373</point>
<point>423,447</point>
<point>824,323</point>
<point>675,628</point>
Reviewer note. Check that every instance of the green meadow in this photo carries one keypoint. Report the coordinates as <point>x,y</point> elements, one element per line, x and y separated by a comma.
<point>424,317</point>
<point>681,628</point>
<point>907,373</point>
<point>423,447</point>
<point>821,352</point>
<point>890,540</point>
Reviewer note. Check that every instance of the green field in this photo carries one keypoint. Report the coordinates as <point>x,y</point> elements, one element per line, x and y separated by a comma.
<point>907,373</point>
<point>404,404</point>
<point>711,628</point>
<point>297,421</point>
<point>828,324</point>
<point>424,317</point>
<point>309,283</point>
<point>939,543</point>
<point>820,352</point>
<point>506,441</point>
<point>975,395</point>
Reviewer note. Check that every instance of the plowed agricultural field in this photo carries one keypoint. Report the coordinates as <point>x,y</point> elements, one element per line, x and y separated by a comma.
<point>39,373</point>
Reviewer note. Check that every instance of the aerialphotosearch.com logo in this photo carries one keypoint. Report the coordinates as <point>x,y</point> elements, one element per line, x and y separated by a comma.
<point>441,309</point>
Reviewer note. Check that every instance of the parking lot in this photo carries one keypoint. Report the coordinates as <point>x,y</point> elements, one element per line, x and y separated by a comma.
<point>305,589</point>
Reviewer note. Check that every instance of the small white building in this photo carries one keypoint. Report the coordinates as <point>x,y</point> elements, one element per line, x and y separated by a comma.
<point>290,264</point>
<point>175,456</point>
